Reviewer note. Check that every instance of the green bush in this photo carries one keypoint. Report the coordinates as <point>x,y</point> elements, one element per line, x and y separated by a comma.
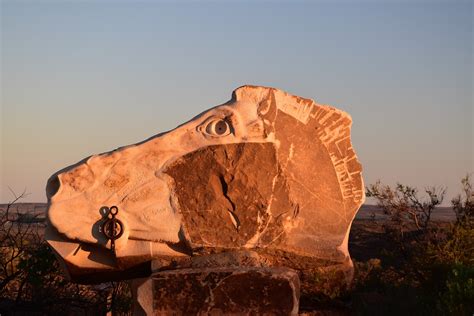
<point>458,297</point>
<point>428,268</point>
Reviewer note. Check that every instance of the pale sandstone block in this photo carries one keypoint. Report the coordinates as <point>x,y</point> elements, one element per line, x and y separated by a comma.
<point>267,177</point>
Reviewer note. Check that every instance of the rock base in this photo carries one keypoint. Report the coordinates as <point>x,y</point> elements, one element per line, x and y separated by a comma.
<point>242,291</point>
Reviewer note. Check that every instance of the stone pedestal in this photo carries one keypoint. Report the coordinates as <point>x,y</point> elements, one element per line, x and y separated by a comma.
<point>243,291</point>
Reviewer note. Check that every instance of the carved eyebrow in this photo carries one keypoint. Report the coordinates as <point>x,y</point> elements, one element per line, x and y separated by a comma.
<point>224,112</point>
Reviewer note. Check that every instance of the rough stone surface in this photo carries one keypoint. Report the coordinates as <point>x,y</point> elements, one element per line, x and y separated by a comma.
<point>267,179</point>
<point>242,291</point>
<point>232,190</point>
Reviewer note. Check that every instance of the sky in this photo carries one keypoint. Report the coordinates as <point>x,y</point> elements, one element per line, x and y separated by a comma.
<point>85,77</point>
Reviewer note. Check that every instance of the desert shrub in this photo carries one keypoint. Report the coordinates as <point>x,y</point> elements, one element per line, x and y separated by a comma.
<point>455,255</point>
<point>404,206</point>
<point>32,282</point>
<point>16,244</point>
<point>455,247</point>
<point>463,204</point>
<point>429,268</point>
<point>457,293</point>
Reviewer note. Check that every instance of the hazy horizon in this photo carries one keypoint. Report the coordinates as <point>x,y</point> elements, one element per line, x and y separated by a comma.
<point>81,78</point>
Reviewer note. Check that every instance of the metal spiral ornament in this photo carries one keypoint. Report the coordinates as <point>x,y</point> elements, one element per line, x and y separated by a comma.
<point>112,227</point>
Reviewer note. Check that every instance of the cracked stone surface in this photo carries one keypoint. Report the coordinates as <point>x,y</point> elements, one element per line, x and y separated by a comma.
<point>242,291</point>
<point>266,179</point>
<point>233,190</point>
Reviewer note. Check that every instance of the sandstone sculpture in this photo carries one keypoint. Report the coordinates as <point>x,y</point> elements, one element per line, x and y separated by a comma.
<point>267,179</point>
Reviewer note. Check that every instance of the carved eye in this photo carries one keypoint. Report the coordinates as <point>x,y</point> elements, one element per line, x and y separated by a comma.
<point>218,127</point>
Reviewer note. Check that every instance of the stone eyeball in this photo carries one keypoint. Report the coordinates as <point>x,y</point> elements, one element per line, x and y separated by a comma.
<point>218,127</point>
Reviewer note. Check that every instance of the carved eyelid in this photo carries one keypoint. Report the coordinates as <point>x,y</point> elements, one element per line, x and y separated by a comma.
<point>224,116</point>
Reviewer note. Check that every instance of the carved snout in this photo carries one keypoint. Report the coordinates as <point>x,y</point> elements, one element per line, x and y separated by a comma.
<point>78,232</point>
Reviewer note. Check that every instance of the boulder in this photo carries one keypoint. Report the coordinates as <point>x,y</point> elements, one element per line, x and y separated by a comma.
<point>211,291</point>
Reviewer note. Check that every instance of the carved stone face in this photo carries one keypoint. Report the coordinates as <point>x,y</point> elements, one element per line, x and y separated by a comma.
<point>266,170</point>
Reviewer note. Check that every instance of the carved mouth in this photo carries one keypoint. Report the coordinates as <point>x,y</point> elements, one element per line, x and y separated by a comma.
<point>87,263</point>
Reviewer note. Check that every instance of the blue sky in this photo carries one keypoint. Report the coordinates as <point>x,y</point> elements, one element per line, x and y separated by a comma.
<point>83,77</point>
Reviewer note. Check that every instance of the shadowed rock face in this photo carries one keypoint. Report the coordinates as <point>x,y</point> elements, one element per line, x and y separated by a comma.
<point>219,291</point>
<point>266,172</point>
<point>232,190</point>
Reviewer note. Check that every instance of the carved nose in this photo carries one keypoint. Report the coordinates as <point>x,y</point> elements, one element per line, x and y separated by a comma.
<point>52,187</point>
